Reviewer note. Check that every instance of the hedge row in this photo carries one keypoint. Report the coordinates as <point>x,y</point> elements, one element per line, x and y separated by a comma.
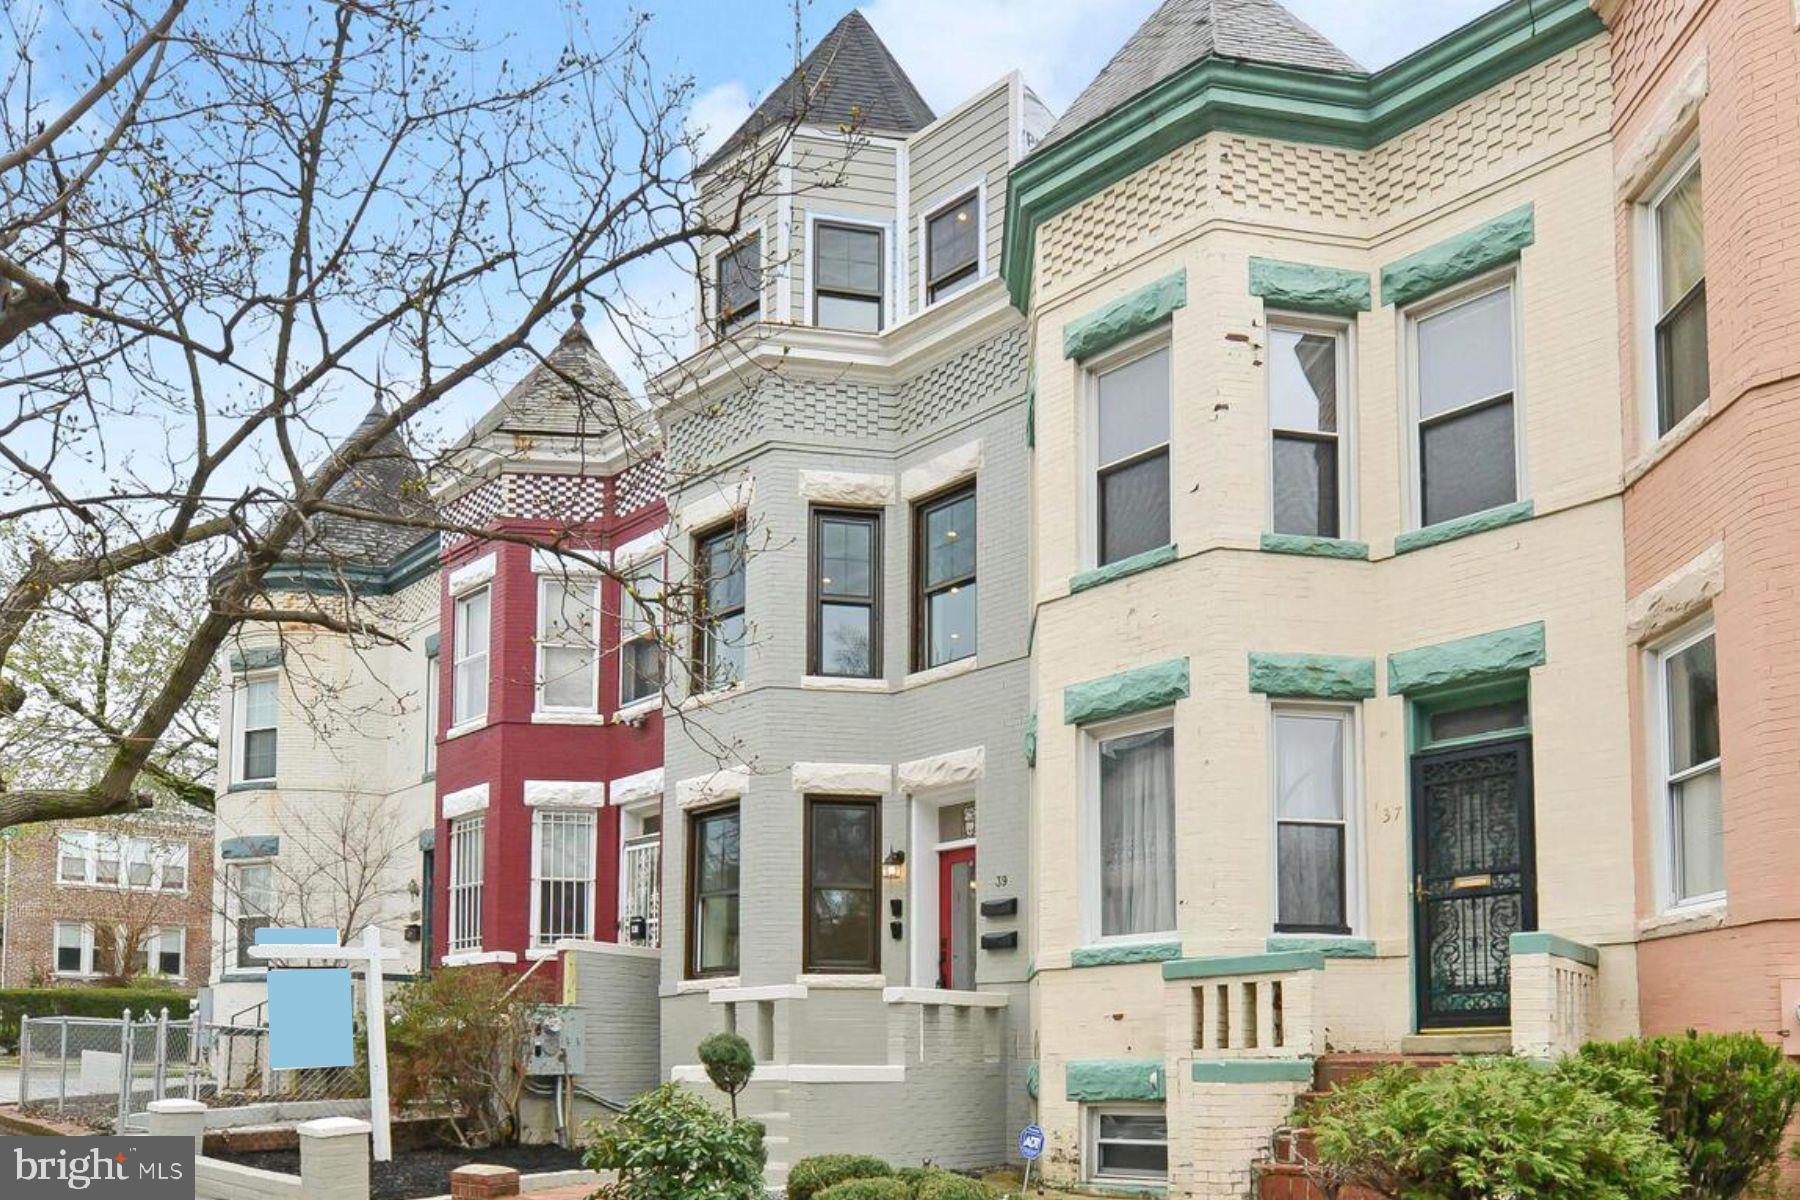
<point>84,1002</point>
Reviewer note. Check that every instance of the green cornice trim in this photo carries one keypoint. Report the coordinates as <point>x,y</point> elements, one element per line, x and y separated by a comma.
<point>1326,676</point>
<point>1293,104</point>
<point>1141,690</point>
<point>1326,944</point>
<point>1031,411</point>
<point>1098,1079</point>
<point>260,658</point>
<point>1253,1070</point>
<point>1461,527</point>
<point>1214,965</point>
<point>432,641</point>
<point>1031,1080</point>
<point>1477,659</point>
<point>315,576</point>
<point>1031,740</point>
<point>1126,317</point>
<point>1455,259</point>
<point>1550,943</point>
<point>1314,547</point>
<point>1302,287</point>
<point>1081,581</point>
<point>1127,952</point>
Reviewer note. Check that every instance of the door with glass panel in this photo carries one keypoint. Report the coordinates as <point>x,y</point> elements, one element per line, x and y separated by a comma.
<point>956,919</point>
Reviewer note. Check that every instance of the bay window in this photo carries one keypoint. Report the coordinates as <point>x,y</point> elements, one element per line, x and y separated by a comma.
<point>252,904</point>
<point>1131,823</point>
<point>1312,754</point>
<point>842,885</point>
<point>257,710</point>
<point>944,608</point>
<point>1131,466</point>
<point>846,590</point>
<point>640,649</point>
<point>568,647</point>
<point>467,851</point>
<point>1306,381</point>
<point>847,289</point>
<point>719,631</point>
<point>1464,449</point>
<point>738,284</point>
<point>713,856</point>
<point>469,683</point>
<point>1687,679</point>
<point>1680,297</point>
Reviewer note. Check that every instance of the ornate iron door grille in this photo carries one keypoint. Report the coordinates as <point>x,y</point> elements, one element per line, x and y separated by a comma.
<point>1475,882</point>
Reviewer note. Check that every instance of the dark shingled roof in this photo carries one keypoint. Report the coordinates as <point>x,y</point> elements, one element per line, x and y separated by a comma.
<point>387,481</point>
<point>573,392</point>
<point>848,79</point>
<point>1183,32</point>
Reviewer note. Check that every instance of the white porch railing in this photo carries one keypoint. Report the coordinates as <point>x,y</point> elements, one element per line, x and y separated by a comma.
<point>642,875</point>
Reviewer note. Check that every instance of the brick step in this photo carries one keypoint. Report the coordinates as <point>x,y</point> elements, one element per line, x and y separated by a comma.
<point>1335,1070</point>
<point>1289,1181</point>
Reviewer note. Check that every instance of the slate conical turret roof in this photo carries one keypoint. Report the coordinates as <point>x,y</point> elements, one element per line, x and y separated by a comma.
<point>573,392</point>
<point>850,78</point>
<point>385,481</point>
<point>1183,32</point>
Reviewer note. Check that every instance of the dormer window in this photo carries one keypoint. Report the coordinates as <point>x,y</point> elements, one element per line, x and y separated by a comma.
<point>847,277</point>
<point>953,248</point>
<point>739,284</point>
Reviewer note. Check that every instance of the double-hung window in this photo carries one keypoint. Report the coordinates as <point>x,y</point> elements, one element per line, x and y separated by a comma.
<point>1132,830</point>
<point>433,688</point>
<point>953,248</point>
<point>172,867</point>
<point>1680,263</point>
<point>738,281</point>
<point>1128,1143</point>
<point>74,851</point>
<point>1692,781</point>
<point>846,579</point>
<point>74,948</point>
<point>847,277</point>
<point>1131,466</point>
<point>842,885</point>
<point>713,889</point>
<point>170,946</point>
<point>568,644</point>
<point>944,610</point>
<point>562,874</point>
<point>719,633</point>
<point>640,650</point>
<point>1306,381</point>
<point>469,685</point>
<point>257,710</point>
<point>1463,370</point>
<point>467,850</point>
<point>252,900</point>
<point>1312,844</point>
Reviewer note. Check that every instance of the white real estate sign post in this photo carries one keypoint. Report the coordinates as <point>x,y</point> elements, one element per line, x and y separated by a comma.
<point>369,957</point>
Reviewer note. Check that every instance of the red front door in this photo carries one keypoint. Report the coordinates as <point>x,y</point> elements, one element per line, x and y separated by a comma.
<point>956,919</point>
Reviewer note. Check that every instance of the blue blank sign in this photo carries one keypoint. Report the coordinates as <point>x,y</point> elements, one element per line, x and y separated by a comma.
<point>269,935</point>
<point>1031,1142</point>
<point>309,1019</point>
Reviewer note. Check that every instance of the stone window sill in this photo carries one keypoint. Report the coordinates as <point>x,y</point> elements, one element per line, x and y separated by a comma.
<point>1691,918</point>
<point>949,670</point>
<point>1668,443</point>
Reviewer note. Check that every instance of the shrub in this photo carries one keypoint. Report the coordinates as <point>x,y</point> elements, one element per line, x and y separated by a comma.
<point>85,1002</point>
<point>1493,1127</point>
<point>1722,1100</point>
<point>672,1145</point>
<point>947,1185</point>
<point>810,1176</point>
<point>887,1188</point>
<point>729,1064</point>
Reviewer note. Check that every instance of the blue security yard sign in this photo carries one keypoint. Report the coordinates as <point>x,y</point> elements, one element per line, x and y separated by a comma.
<point>1031,1142</point>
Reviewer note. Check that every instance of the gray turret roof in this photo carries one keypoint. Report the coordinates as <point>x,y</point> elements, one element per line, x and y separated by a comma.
<point>573,392</point>
<point>387,481</point>
<point>849,79</point>
<point>1183,32</point>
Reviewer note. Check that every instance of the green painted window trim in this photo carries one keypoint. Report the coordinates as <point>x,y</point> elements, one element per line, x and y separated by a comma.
<point>1314,547</point>
<point>1478,659</point>
<point>1553,944</point>
<point>1122,953</point>
<point>260,658</point>
<point>1031,740</point>
<point>1337,108</point>
<point>1462,527</point>
<point>1031,1079</point>
<point>1449,262</point>
<point>1143,689</point>
<point>1324,676</point>
<point>1215,965</point>
<point>1125,318</point>
<point>432,642</point>
<point>1425,705</point>
<point>1093,1080</point>
<point>1144,560</point>
<point>1326,944</point>
<point>1252,1070</point>
<point>1302,287</point>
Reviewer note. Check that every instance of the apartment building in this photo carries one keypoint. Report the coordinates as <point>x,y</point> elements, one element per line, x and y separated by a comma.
<point>1705,98</point>
<point>847,852</point>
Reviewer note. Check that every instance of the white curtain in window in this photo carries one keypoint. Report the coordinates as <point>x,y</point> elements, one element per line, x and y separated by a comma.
<point>1137,834</point>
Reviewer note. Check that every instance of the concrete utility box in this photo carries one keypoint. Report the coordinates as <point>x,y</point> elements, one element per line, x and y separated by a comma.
<point>558,1041</point>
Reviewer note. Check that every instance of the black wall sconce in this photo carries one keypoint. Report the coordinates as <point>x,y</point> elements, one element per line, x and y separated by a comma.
<point>894,865</point>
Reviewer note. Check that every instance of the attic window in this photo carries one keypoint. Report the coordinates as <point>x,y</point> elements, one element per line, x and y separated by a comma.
<point>953,248</point>
<point>739,284</point>
<point>847,277</point>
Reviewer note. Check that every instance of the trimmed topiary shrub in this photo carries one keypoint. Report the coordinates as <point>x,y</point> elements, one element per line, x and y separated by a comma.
<point>1493,1127</point>
<point>885,1188</point>
<point>729,1063</point>
<point>810,1176</point>
<point>1722,1100</point>
<point>947,1185</point>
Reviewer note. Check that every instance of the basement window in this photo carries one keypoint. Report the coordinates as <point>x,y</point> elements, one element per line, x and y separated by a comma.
<point>1128,1143</point>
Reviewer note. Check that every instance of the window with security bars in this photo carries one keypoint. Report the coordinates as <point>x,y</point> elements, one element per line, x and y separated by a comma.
<point>562,874</point>
<point>466,853</point>
<point>1305,425</point>
<point>1466,454</point>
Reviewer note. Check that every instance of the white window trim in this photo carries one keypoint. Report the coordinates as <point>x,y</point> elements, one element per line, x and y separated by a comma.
<point>544,584</point>
<point>538,823</point>
<point>1088,846</point>
<point>1349,518</point>
<point>1355,912</point>
<point>1648,285</point>
<point>711,316</point>
<point>234,912</point>
<point>946,199</point>
<point>1481,285</point>
<point>1138,347</point>
<point>162,852</point>
<point>153,951</point>
<point>922,881</point>
<point>630,570</point>
<point>1090,1143</point>
<point>87,950</point>
<point>1663,813</point>
<point>888,275</point>
<point>240,703</point>
<point>461,723</point>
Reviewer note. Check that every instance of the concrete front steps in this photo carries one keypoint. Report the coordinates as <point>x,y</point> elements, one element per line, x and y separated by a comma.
<point>1288,1172</point>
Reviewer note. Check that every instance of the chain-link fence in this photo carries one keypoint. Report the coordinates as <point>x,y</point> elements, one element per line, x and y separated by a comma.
<point>236,1074</point>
